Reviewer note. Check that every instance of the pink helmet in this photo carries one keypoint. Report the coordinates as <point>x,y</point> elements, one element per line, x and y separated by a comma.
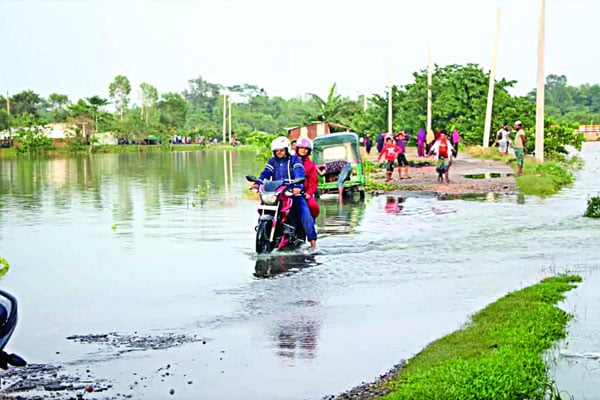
<point>304,142</point>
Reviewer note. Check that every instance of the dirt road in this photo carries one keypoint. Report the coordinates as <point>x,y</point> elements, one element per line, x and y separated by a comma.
<point>468,175</point>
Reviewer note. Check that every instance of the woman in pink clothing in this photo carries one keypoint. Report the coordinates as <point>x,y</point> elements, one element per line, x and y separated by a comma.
<point>304,147</point>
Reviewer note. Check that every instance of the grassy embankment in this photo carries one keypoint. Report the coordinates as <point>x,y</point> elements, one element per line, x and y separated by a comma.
<point>538,179</point>
<point>498,355</point>
<point>130,148</point>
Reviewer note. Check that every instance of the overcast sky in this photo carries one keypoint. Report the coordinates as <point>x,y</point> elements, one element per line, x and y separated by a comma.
<point>287,47</point>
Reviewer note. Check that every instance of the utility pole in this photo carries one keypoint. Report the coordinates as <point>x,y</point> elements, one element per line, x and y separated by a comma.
<point>539,108</point>
<point>490,98</point>
<point>230,128</point>
<point>390,129</point>
<point>429,82</point>
<point>8,119</point>
<point>224,116</point>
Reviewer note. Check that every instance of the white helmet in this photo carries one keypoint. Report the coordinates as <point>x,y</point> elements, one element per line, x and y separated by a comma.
<point>518,123</point>
<point>280,143</point>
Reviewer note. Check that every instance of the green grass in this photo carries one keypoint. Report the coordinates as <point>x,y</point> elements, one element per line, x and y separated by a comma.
<point>495,356</point>
<point>544,179</point>
<point>541,180</point>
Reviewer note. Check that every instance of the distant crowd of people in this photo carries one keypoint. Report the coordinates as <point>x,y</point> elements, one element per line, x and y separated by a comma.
<point>441,145</point>
<point>392,147</point>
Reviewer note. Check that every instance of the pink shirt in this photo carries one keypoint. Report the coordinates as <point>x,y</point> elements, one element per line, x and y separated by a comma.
<point>310,171</point>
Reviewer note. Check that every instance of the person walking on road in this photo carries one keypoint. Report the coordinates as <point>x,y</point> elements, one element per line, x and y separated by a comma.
<point>380,141</point>
<point>455,141</point>
<point>503,139</point>
<point>421,137</point>
<point>443,150</point>
<point>519,146</point>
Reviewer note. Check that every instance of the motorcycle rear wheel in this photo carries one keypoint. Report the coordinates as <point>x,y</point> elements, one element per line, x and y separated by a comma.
<point>263,233</point>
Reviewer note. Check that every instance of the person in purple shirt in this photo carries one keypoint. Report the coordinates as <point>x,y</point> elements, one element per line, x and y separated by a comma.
<point>421,138</point>
<point>401,140</point>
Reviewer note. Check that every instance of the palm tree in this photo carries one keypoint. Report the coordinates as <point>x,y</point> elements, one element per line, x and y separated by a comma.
<point>334,109</point>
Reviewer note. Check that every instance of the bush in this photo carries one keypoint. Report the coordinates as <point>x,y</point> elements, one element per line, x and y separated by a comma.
<point>593,208</point>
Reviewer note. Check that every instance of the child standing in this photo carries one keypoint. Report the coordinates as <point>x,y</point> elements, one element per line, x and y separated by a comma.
<point>390,151</point>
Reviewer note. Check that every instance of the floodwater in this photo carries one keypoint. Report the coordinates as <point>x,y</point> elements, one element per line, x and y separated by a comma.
<point>136,276</point>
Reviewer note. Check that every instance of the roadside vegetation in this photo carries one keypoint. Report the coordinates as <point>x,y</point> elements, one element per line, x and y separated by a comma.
<point>196,113</point>
<point>593,208</point>
<point>497,355</point>
<point>538,179</point>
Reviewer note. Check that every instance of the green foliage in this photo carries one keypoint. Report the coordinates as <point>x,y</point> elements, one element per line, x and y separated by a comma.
<point>260,140</point>
<point>25,103</point>
<point>544,179</point>
<point>59,103</point>
<point>570,104</point>
<point>459,102</point>
<point>334,108</point>
<point>173,109</point>
<point>202,192</point>
<point>559,135</point>
<point>4,266</point>
<point>497,355</point>
<point>76,140</point>
<point>593,208</point>
<point>119,91</point>
<point>31,137</point>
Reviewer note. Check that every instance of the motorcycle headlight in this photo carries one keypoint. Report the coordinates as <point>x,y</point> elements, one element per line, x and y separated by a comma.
<point>269,198</point>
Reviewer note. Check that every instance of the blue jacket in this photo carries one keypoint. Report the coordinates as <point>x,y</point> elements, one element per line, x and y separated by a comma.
<point>288,167</point>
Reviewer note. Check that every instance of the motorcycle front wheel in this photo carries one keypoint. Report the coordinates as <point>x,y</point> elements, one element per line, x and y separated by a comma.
<point>263,233</point>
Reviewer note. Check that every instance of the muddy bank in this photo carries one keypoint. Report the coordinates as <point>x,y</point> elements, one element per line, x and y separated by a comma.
<point>468,175</point>
<point>47,381</point>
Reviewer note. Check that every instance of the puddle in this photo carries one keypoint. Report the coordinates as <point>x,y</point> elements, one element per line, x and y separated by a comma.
<point>487,175</point>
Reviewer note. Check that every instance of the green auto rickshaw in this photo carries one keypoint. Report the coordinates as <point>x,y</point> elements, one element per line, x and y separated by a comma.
<point>341,146</point>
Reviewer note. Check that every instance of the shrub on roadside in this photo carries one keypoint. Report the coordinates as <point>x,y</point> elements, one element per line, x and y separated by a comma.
<point>593,208</point>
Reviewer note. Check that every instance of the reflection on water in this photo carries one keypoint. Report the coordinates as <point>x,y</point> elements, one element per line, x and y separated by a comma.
<point>393,204</point>
<point>273,264</point>
<point>296,337</point>
<point>336,219</point>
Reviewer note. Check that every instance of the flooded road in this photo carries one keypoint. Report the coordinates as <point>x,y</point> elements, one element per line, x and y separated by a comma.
<point>136,274</point>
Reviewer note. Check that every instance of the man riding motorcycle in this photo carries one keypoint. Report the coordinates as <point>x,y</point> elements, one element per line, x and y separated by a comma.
<point>284,165</point>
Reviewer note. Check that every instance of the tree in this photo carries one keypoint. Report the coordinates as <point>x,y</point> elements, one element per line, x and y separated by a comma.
<point>119,91</point>
<point>26,102</point>
<point>59,104</point>
<point>332,109</point>
<point>203,95</point>
<point>149,99</point>
<point>96,103</point>
<point>4,123</point>
<point>558,95</point>
<point>173,109</point>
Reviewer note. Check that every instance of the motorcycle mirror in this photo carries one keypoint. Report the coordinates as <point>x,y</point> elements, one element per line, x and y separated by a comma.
<point>251,178</point>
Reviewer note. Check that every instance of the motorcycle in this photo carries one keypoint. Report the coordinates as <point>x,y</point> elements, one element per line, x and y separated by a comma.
<point>278,227</point>
<point>8,323</point>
